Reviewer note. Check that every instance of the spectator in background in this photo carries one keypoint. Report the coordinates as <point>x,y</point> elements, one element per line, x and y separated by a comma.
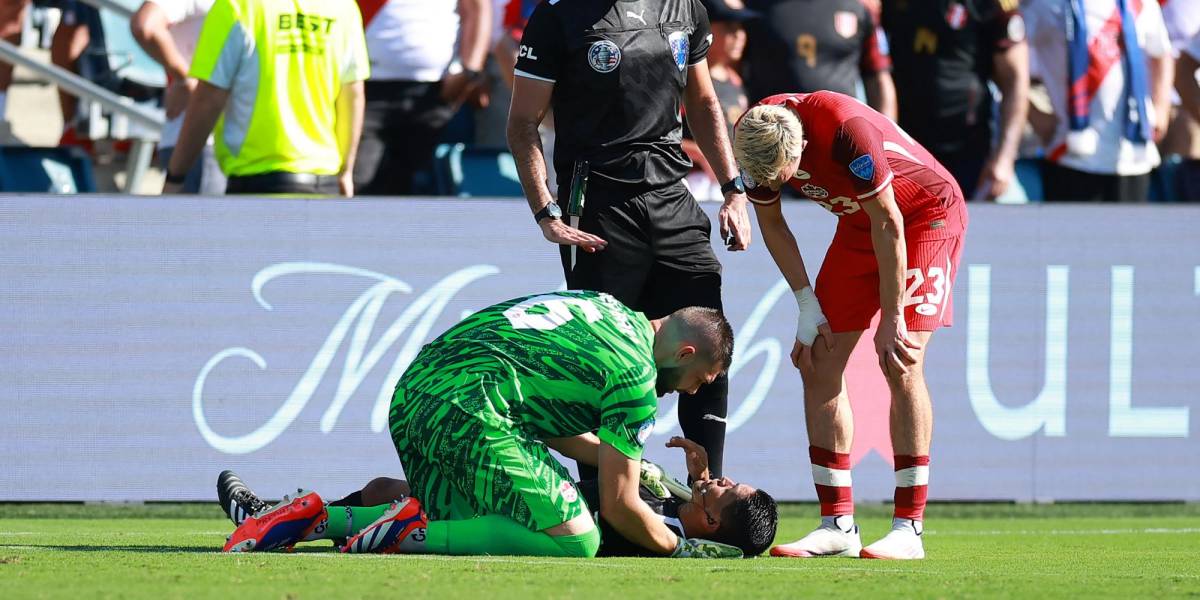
<point>70,40</point>
<point>292,119</point>
<point>12,17</point>
<point>418,83</point>
<point>168,30</point>
<point>943,55</point>
<point>727,19</point>
<point>1182,140</point>
<point>1186,72</point>
<point>812,45</point>
<point>1108,69</point>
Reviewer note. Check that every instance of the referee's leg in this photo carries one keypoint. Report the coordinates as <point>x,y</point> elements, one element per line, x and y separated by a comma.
<point>687,273</point>
<point>621,269</point>
<point>701,415</point>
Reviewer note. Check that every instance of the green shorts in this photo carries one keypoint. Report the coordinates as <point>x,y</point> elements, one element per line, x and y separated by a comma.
<point>462,465</point>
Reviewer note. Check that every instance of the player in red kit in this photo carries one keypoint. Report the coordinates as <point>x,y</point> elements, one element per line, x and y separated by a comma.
<point>901,224</point>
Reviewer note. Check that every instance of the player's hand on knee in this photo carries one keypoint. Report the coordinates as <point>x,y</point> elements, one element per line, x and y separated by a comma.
<point>560,233</point>
<point>897,350</point>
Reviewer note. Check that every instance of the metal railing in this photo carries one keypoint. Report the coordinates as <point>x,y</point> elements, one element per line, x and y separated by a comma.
<point>142,151</point>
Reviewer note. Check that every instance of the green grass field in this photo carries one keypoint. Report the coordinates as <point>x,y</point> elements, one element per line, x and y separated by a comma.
<point>172,551</point>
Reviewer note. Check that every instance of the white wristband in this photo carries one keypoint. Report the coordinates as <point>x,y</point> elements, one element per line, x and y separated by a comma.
<point>810,316</point>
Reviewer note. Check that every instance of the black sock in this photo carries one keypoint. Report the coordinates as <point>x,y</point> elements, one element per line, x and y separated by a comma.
<point>702,419</point>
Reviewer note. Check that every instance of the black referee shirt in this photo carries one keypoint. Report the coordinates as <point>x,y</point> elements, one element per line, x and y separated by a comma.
<point>613,543</point>
<point>943,54</point>
<point>801,46</point>
<point>619,68</point>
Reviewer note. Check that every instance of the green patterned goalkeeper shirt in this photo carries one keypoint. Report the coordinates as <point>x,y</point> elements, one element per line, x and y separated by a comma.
<point>551,365</point>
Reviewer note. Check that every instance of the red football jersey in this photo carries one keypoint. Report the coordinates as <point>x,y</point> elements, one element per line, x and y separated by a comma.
<point>854,152</point>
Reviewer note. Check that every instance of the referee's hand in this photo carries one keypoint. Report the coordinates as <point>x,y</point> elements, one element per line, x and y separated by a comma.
<point>560,233</point>
<point>735,223</point>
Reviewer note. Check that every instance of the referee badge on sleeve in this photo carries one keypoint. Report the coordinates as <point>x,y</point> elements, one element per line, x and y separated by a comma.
<point>604,56</point>
<point>678,41</point>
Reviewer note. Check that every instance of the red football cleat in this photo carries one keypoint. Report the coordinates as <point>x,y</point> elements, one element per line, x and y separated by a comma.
<point>404,518</point>
<point>282,526</point>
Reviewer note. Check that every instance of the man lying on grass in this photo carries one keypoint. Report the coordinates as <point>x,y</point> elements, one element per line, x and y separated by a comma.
<point>477,411</point>
<point>715,509</point>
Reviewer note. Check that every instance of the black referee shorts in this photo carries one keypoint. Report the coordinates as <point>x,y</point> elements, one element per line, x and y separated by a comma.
<point>659,257</point>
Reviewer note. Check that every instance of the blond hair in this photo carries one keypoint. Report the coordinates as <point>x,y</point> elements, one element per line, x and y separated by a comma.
<point>766,140</point>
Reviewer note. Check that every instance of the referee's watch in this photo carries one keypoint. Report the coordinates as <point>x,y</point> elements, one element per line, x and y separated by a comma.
<point>735,185</point>
<point>551,210</point>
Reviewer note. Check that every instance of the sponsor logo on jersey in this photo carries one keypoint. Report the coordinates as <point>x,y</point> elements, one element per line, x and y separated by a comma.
<point>845,23</point>
<point>568,492</point>
<point>526,52</point>
<point>638,16</point>
<point>863,167</point>
<point>956,16</point>
<point>815,192</point>
<point>678,41</point>
<point>644,431</point>
<point>604,56</point>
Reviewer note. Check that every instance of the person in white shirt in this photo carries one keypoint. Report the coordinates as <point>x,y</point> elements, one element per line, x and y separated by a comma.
<point>1102,149</point>
<point>426,59</point>
<point>168,30</point>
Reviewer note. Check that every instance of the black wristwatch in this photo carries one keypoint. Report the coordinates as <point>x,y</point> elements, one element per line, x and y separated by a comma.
<point>473,75</point>
<point>733,185</point>
<point>550,210</point>
<point>175,179</point>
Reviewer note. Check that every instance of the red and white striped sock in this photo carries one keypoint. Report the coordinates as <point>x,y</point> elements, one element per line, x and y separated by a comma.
<point>912,486</point>
<point>831,475</point>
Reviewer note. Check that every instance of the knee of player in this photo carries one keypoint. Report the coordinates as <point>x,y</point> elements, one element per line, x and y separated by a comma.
<point>580,545</point>
<point>904,380</point>
<point>382,490</point>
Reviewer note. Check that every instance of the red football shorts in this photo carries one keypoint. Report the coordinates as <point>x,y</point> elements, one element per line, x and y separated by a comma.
<point>848,284</point>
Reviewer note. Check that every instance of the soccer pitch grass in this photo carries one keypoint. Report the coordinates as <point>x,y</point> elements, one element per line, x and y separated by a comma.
<point>1023,551</point>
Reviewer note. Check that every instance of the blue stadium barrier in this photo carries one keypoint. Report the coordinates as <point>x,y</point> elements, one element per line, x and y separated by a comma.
<point>468,172</point>
<point>65,170</point>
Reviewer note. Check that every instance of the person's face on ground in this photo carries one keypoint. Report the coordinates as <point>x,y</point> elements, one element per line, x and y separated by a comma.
<point>716,494</point>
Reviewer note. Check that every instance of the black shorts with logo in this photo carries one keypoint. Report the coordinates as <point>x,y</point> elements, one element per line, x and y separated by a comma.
<point>659,257</point>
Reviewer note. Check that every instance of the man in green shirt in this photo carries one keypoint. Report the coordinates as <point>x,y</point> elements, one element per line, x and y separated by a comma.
<point>281,80</point>
<point>476,413</point>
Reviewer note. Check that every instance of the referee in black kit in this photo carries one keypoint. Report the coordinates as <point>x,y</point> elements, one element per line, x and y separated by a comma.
<point>616,74</point>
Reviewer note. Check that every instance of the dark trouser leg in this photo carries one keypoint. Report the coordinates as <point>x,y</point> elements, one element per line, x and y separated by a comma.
<point>701,415</point>
<point>623,267</point>
<point>401,126</point>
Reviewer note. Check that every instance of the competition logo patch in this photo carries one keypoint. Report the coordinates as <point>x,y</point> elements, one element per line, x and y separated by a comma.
<point>956,16</point>
<point>814,192</point>
<point>863,167</point>
<point>644,431</point>
<point>568,492</point>
<point>679,48</point>
<point>845,23</point>
<point>604,56</point>
<point>1016,29</point>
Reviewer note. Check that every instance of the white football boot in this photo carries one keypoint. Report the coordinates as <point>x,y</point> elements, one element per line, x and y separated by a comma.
<point>903,542</point>
<point>830,539</point>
